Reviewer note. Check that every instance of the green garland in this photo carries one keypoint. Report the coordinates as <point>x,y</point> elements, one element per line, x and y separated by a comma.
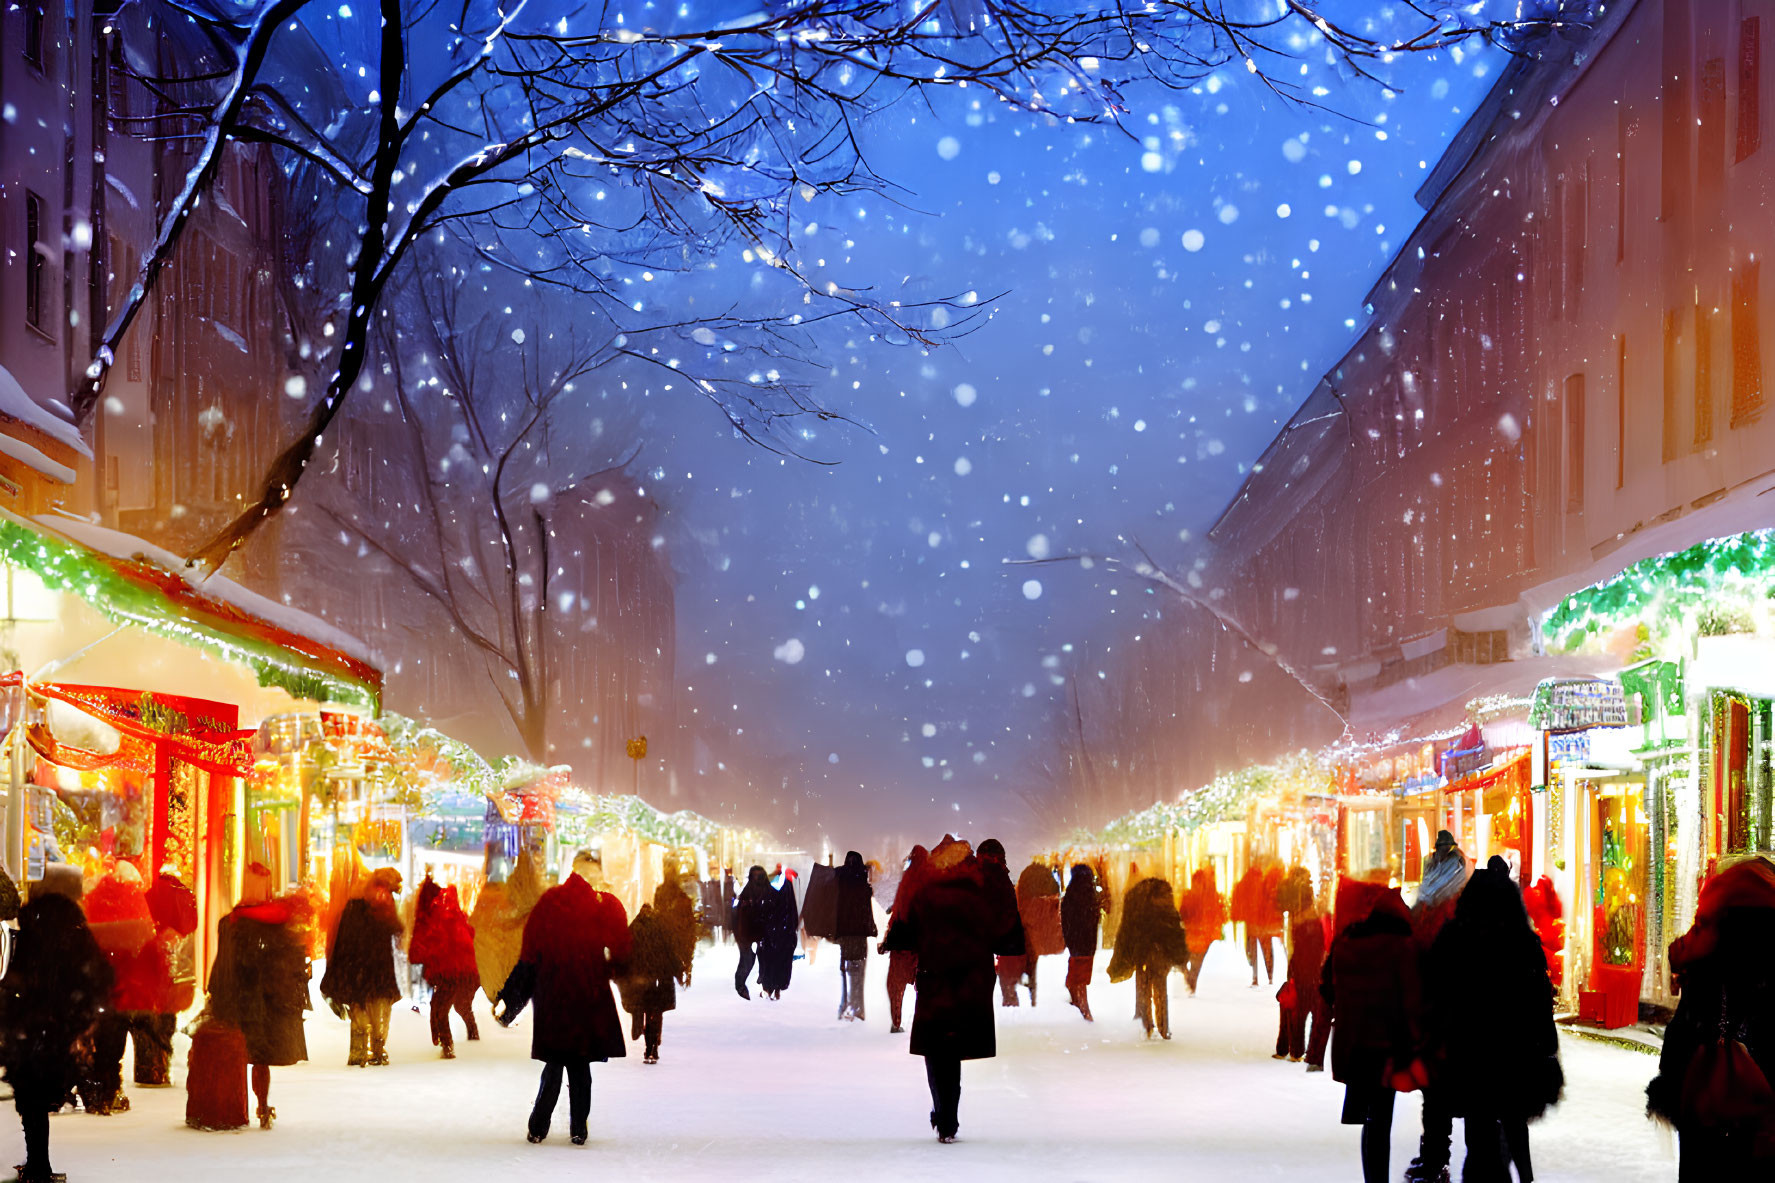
<point>1711,583</point>
<point>1225,796</point>
<point>66,566</point>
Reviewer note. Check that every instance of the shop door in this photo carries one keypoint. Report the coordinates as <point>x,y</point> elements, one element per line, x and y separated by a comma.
<point>1617,877</point>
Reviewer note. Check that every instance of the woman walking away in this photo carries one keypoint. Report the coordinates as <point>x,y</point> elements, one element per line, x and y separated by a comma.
<point>854,924</point>
<point>360,966</point>
<point>258,984</point>
<point>1299,996</point>
<point>776,954</point>
<point>444,944</point>
<point>1721,1042</point>
<point>1003,894</point>
<point>1254,906</point>
<point>1149,944</point>
<point>1038,904</point>
<point>1204,919</point>
<point>573,935</point>
<point>117,916</point>
<point>751,920</point>
<point>53,993</point>
<point>1080,914</point>
<point>1488,1024</point>
<point>956,924</point>
<point>1370,981</point>
<point>656,967</point>
<point>903,963</point>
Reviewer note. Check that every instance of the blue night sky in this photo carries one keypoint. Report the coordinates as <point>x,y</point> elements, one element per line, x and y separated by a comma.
<point>1169,298</point>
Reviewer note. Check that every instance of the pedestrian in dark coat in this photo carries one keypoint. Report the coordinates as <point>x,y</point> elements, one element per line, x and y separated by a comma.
<point>1300,995</point>
<point>1149,944</point>
<point>1009,966</point>
<point>1723,1033</point>
<point>677,914</point>
<point>54,991</point>
<point>752,913</point>
<point>360,966</point>
<point>259,982</point>
<point>956,924</point>
<point>1370,981</point>
<point>819,907</point>
<point>443,943</point>
<point>1081,912</point>
<point>776,954</point>
<point>1489,1037</point>
<point>656,966</point>
<point>903,962</point>
<point>1443,877</point>
<point>571,940</point>
<point>854,925</point>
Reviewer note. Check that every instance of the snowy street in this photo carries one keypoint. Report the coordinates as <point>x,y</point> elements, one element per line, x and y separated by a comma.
<point>768,1090</point>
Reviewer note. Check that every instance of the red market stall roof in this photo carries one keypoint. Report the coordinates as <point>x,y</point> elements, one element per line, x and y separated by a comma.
<point>135,582</point>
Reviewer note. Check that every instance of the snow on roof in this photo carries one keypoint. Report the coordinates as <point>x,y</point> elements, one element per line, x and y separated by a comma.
<point>16,404</point>
<point>220,588</point>
<point>35,458</point>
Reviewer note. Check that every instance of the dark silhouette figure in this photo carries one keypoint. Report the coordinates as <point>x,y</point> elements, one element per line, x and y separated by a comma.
<point>1718,1062</point>
<point>1370,981</point>
<point>571,939</point>
<point>1081,914</point>
<point>54,992</point>
<point>853,926</point>
<point>259,984</point>
<point>752,913</point>
<point>656,966</point>
<point>117,916</point>
<point>360,966</point>
<point>1306,958</point>
<point>1149,944</point>
<point>443,943</point>
<point>903,963</point>
<point>677,913</point>
<point>1488,1024</point>
<point>168,980</point>
<point>956,924</point>
<point>776,953</point>
<point>1444,876</point>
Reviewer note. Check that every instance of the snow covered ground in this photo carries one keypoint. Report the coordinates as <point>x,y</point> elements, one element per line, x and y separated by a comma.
<point>773,1089</point>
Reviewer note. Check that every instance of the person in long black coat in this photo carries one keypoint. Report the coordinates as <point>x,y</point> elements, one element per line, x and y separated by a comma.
<point>1371,983</point>
<point>572,939</point>
<point>55,990</point>
<point>1725,966</point>
<point>649,988</point>
<point>259,983</point>
<point>956,924</point>
<point>1150,943</point>
<point>853,925</point>
<point>1081,914</point>
<point>752,912</point>
<point>776,956</point>
<point>360,978</point>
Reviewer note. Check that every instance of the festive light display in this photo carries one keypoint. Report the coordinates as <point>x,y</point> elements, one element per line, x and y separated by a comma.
<point>137,592</point>
<point>1716,584</point>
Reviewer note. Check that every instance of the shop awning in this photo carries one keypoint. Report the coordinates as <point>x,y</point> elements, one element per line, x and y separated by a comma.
<point>137,583</point>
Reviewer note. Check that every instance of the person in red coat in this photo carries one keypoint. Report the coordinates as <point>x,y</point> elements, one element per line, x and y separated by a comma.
<point>1300,993</point>
<point>1254,906</point>
<point>1204,914</point>
<point>571,939</point>
<point>117,914</point>
<point>444,944</point>
<point>903,962</point>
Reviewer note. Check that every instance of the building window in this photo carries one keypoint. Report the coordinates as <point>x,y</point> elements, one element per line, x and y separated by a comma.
<point>1574,443</point>
<point>1677,117</point>
<point>1621,134</point>
<point>1703,375</point>
<point>1747,346</point>
<point>36,33</point>
<point>1673,327</point>
<point>1750,91</point>
<point>1621,411</point>
<point>1577,237</point>
<point>36,266</point>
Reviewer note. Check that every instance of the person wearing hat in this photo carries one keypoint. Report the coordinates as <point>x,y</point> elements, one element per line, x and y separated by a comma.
<point>1445,876</point>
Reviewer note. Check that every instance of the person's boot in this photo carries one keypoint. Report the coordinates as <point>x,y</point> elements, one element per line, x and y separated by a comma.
<point>1420,1172</point>
<point>474,1032</point>
<point>449,1046</point>
<point>739,986</point>
<point>267,1115</point>
<point>1085,1005</point>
